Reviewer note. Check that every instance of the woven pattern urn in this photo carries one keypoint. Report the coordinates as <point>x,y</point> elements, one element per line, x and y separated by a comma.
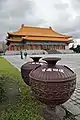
<point>27,67</point>
<point>52,84</point>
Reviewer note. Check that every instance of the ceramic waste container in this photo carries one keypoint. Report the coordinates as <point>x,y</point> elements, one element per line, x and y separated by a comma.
<point>52,84</point>
<point>27,67</point>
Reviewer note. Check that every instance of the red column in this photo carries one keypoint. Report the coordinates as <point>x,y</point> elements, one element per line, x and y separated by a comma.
<point>10,48</point>
<point>26,46</point>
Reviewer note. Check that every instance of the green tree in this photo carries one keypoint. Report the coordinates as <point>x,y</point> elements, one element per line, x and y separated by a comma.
<point>77,49</point>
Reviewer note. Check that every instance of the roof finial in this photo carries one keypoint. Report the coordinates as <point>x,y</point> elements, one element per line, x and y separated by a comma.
<point>22,25</point>
<point>50,27</point>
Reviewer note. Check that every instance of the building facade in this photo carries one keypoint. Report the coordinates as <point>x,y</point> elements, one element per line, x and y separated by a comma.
<point>31,38</point>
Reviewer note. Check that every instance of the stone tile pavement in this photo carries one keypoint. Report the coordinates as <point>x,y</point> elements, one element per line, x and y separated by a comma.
<point>72,61</point>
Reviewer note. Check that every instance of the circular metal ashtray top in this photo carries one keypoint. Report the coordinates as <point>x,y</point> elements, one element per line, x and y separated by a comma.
<point>38,63</point>
<point>57,73</point>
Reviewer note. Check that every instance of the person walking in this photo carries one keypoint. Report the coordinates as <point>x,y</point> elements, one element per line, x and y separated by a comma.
<point>25,54</point>
<point>21,53</point>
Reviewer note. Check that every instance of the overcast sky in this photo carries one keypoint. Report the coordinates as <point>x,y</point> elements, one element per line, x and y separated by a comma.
<point>62,15</point>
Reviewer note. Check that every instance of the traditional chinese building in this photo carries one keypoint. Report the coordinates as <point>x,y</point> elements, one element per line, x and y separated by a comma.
<point>37,38</point>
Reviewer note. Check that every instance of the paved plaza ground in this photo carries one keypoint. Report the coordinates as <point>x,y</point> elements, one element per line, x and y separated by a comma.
<point>72,61</point>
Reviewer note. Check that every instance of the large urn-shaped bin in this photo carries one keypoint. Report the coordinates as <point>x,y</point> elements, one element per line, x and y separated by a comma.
<point>27,67</point>
<point>52,84</point>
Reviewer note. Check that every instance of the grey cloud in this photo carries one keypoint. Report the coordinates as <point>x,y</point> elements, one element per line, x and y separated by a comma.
<point>17,8</point>
<point>61,6</point>
<point>75,4</point>
<point>1,3</point>
<point>15,12</point>
<point>73,28</point>
<point>66,21</point>
<point>75,34</point>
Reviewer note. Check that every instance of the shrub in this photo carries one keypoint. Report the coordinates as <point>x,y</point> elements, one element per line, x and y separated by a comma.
<point>2,89</point>
<point>8,88</point>
<point>77,49</point>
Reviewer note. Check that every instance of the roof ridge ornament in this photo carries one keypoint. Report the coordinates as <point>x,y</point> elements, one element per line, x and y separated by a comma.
<point>50,27</point>
<point>22,25</point>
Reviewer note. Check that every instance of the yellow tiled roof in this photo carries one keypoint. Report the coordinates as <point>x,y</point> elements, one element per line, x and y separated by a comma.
<point>37,31</point>
<point>15,39</point>
<point>33,38</point>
